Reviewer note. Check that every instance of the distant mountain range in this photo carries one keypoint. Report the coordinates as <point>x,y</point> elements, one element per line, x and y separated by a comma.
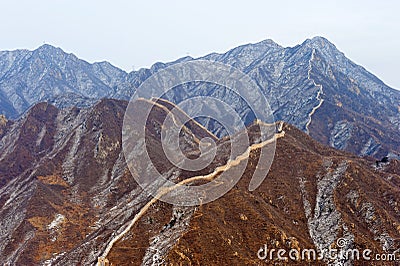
<point>312,86</point>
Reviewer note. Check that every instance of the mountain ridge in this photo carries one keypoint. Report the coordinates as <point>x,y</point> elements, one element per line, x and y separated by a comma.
<point>68,185</point>
<point>303,83</point>
<point>314,42</point>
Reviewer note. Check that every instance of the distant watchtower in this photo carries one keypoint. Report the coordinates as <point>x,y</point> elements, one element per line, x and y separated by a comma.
<point>102,262</point>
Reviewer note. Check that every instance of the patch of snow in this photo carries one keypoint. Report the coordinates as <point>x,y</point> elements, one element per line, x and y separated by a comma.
<point>340,134</point>
<point>370,148</point>
<point>59,218</point>
<point>40,136</point>
<point>53,259</point>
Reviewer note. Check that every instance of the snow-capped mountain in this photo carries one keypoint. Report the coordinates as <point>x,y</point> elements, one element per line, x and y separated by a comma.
<point>312,86</point>
<point>50,74</point>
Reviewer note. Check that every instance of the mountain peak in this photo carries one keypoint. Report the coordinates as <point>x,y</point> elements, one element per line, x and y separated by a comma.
<point>49,51</point>
<point>268,42</point>
<point>320,43</point>
<point>48,47</point>
<point>319,39</point>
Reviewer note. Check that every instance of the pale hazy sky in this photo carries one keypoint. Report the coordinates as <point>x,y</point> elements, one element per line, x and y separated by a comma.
<point>139,33</point>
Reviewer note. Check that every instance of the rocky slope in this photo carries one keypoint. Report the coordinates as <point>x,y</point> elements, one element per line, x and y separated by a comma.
<point>318,198</point>
<point>65,189</point>
<point>314,86</point>
<point>50,74</point>
<point>66,192</point>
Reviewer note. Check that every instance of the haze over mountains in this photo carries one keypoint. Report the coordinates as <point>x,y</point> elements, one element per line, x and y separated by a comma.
<point>312,86</point>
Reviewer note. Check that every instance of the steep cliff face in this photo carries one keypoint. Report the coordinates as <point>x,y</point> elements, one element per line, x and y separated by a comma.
<point>66,193</point>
